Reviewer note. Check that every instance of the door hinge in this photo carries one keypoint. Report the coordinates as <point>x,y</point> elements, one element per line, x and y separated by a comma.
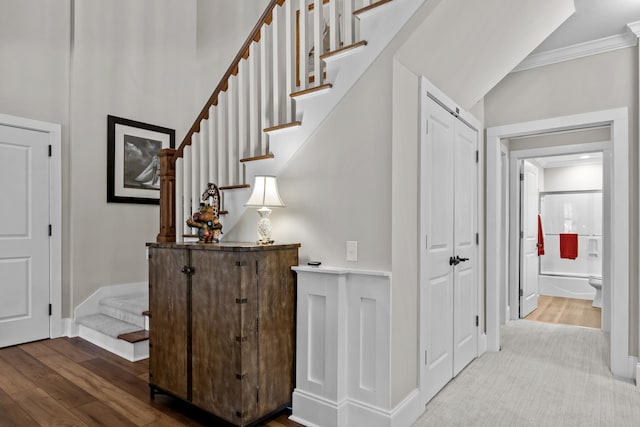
<point>427,127</point>
<point>426,241</point>
<point>50,309</point>
<point>477,321</point>
<point>50,150</point>
<point>477,238</point>
<point>50,230</point>
<point>521,234</point>
<point>256,267</point>
<point>520,292</point>
<point>257,395</point>
<point>477,156</point>
<point>425,357</point>
<point>521,176</point>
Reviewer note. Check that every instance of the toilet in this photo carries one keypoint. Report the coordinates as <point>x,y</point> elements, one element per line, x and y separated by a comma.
<point>596,282</point>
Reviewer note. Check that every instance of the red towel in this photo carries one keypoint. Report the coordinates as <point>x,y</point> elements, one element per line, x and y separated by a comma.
<point>568,245</point>
<point>540,237</point>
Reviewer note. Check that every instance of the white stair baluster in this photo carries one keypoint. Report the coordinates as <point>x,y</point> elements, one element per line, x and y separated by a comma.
<point>186,196</point>
<point>179,199</point>
<point>212,175</point>
<point>303,46</point>
<point>289,55</point>
<point>318,41</point>
<point>255,127</point>
<point>276,56</point>
<point>233,157</point>
<point>265,88</point>
<point>195,172</point>
<point>222,139</point>
<point>204,153</point>
<point>243,112</point>
<point>346,31</point>
<point>334,26</point>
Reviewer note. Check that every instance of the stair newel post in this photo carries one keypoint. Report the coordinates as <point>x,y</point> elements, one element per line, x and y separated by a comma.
<point>167,232</point>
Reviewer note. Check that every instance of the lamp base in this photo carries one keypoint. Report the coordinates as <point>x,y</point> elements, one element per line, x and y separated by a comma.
<point>264,227</point>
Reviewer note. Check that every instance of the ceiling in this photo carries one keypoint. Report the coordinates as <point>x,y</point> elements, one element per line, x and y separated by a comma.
<point>593,20</point>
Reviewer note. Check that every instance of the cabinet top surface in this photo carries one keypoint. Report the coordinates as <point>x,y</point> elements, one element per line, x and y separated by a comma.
<point>225,246</point>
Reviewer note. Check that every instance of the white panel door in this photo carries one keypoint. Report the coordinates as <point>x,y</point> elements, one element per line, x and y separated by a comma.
<point>465,248</point>
<point>437,287</point>
<point>24,235</point>
<point>529,260</point>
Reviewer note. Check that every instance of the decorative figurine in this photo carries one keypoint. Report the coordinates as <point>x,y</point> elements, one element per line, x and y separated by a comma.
<point>206,219</point>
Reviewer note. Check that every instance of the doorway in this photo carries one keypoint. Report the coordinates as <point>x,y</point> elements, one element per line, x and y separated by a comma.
<point>30,230</point>
<point>615,228</point>
<point>561,236</point>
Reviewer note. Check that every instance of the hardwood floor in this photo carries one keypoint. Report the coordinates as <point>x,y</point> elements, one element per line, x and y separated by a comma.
<point>71,382</point>
<point>567,311</point>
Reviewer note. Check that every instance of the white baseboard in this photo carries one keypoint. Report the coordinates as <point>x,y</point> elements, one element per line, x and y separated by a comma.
<point>315,411</point>
<point>69,328</point>
<point>133,352</point>
<point>637,374</point>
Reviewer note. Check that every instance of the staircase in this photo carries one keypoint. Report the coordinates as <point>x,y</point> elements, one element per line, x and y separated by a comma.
<point>275,94</point>
<point>120,326</point>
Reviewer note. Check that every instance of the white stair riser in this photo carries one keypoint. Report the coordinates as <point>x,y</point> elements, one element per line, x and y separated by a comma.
<point>130,351</point>
<point>136,319</point>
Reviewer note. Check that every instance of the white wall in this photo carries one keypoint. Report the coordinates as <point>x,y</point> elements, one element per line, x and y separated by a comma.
<point>597,82</point>
<point>73,63</point>
<point>584,177</point>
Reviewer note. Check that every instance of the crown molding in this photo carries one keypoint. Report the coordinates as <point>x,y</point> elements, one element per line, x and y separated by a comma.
<point>580,50</point>
<point>634,27</point>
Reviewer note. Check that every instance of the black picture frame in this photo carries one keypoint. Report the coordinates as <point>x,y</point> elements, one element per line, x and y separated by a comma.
<point>133,168</point>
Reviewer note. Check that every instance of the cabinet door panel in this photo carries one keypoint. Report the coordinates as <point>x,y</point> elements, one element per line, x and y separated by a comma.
<point>168,323</point>
<point>220,333</point>
<point>276,296</point>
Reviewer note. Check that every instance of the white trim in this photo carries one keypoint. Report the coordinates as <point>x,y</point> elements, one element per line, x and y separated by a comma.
<point>54,131</point>
<point>580,50</point>
<point>340,270</point>
<point>619,239</point>
<point>333,414</point>
<point>634,28</point>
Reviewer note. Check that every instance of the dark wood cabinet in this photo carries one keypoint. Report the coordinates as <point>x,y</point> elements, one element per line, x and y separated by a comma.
<point>222,326</point>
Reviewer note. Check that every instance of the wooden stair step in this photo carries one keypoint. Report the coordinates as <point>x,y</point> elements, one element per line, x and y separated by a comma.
<point>253,159</point>
<point>343,51</point>
<point>283,127</point>
<point>358,13</point>
<point>311,91</point>
<point>233,187</point>
<point>134,337</point>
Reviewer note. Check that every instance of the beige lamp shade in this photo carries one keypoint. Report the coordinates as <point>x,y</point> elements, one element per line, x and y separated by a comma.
<point>265,193</point>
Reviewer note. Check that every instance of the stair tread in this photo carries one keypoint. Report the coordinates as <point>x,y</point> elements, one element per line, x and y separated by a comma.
<point>132,303</point>
<point>343,50</point>
<point>284,126</point>
<point>252,159</point>
<point>311,90</point>
<point>134,337</point>
<point>107,325</point>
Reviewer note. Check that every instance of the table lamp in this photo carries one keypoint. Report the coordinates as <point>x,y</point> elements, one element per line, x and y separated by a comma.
<point>265,195</point>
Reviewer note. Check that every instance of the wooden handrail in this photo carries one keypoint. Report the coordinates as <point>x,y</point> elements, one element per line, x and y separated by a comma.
<point>265,19</point>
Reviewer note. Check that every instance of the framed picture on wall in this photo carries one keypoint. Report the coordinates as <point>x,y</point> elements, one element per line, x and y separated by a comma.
<point>133,165</point>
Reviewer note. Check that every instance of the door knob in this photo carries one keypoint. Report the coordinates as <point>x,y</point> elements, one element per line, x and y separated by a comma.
<point>454,261</point>
<point>461,259</point>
